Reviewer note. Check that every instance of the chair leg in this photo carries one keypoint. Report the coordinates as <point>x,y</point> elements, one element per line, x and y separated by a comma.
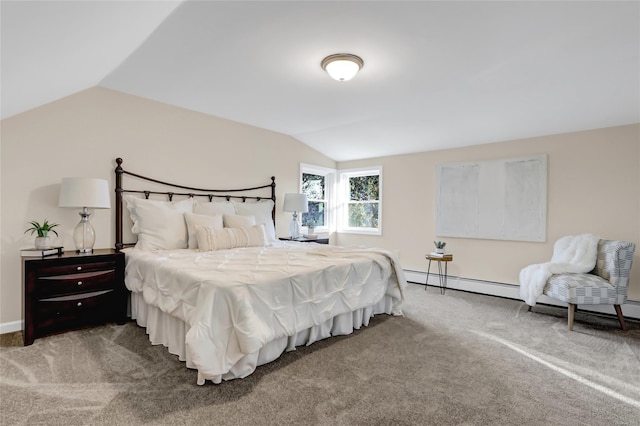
<point>620,317</point>
<point>572,310</point>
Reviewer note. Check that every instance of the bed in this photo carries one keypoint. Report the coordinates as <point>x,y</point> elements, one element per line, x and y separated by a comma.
<point>210,281</point>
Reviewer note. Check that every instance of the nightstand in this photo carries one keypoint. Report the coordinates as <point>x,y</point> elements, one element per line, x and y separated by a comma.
<point>72,290</point>
<point>306,240</point>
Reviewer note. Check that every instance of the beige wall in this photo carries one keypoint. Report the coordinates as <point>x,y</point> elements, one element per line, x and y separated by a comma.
<point>593,178</point>
<point>593,186</point>
<point>81,135</point>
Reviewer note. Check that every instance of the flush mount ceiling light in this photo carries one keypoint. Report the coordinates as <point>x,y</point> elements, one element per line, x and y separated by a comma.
<point>342,66</point>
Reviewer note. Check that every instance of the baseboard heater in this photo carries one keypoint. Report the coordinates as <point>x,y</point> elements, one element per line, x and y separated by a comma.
<point>631,309</point>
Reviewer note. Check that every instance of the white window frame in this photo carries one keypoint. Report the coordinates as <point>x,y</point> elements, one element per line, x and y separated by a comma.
<point>343,196</point>
<point>329,194</point>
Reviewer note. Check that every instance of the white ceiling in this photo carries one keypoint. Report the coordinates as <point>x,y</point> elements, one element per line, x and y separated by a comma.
<point>436,74</point>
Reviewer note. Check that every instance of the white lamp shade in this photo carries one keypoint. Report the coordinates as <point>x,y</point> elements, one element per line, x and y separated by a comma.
<point>296,203</point>
<point>84,192</point>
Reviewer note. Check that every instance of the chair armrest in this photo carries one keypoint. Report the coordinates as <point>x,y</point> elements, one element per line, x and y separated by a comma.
<point>614,264</point>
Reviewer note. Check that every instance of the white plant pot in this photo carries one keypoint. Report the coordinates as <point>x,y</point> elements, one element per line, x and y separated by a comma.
<point>43,242</point>
<point>440,251</point>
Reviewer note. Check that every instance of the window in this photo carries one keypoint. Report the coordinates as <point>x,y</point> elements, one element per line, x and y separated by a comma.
<point>317,183</point>
<point>352,203</point>
<point>361,201</point>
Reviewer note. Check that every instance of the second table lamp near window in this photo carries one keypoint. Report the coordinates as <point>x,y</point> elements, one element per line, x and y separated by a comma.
<point>296,203</point>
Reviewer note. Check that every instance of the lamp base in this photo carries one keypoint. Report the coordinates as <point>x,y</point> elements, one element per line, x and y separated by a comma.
<point>84,236</point>
<point>294,227</point>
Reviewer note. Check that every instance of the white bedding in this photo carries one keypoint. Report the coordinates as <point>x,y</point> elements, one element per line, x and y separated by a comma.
<point>234,303</point>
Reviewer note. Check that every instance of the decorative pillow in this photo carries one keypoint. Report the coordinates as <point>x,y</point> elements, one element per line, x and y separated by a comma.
<point>262,211</point>
<point>211,221</point>
<point>215,207</point>
<point>210,239</point>
<point>235,221</point>
<point>159,225</point>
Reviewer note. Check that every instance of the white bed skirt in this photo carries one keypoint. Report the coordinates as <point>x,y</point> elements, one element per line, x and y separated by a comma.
<point>167,330</point>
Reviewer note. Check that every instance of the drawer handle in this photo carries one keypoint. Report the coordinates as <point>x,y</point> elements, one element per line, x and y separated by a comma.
<point>79,304</point>
<point>79,282</point>
<point>79,268</point>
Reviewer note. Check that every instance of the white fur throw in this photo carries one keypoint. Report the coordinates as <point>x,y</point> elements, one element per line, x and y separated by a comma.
<point>571,254</point>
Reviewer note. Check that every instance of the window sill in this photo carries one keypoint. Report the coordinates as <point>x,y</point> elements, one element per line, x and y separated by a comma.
<point>360,231</point>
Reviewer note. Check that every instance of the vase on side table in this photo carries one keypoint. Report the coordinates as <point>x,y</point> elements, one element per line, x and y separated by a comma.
<point>42,243</point>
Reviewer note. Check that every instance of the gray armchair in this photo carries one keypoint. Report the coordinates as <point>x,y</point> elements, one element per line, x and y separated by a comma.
<point>607,284</point>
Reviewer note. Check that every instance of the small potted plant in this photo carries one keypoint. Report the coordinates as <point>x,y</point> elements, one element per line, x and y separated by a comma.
<point>42,240</point>
<point>311,225</point>
<point>440,246</point>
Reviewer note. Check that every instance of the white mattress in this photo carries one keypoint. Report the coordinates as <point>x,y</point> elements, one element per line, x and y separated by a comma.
<point>226,312</point>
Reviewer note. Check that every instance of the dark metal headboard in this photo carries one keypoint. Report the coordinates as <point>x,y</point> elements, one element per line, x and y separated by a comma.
<point>227,194</point>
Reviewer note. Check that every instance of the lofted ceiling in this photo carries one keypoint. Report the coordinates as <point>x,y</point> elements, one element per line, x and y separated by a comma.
<point>436,74</point>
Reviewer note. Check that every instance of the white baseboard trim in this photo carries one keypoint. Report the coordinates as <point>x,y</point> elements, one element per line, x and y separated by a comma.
<point>10,327</point>
<point>631,309</point>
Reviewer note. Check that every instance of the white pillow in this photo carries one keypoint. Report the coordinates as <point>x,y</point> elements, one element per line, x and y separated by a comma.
<point>159,225</point>
<point>210,239</point>
<point>262,211</point>
<point>211,221</point>
<point>235,221</point>
<point>215,207</point>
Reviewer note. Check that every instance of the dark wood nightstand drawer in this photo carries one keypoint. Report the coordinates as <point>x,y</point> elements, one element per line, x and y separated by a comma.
<point>84,282</point>
<point>59,312</point>
<point>75,268</point>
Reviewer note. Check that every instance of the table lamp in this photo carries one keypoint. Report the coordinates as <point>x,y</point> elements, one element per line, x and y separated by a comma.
<point>295,203</point>
<point>85,193</point>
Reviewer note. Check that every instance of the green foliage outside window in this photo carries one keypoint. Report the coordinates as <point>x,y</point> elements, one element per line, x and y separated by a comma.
<point>315,216</point>
<point>364,188</point>
<point>314,186</point>
<point>363,215</point>
<point>364,192</point>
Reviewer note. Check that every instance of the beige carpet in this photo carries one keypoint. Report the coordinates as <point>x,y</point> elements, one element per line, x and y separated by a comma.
<point>461,359</point>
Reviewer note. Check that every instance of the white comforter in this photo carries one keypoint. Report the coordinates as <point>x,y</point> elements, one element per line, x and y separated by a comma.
<point>236,301</point>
